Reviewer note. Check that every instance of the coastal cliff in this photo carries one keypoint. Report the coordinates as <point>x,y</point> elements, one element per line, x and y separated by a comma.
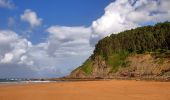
<point>140,53</point>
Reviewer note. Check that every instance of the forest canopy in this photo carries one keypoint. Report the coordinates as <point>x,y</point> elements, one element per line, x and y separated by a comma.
<point>139,40</point>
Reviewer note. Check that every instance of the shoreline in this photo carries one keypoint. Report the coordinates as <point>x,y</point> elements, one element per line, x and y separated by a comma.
<point>56,80</point>
<point>159,79</point>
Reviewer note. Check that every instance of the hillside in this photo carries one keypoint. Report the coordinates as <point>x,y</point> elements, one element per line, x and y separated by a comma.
<point>141,52</point>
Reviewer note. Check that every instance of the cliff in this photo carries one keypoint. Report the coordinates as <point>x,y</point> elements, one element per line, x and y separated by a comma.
<point>140,53</point>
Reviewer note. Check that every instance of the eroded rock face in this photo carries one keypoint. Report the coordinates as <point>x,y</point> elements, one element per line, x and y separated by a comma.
<point>100,68</point>
<point>77,73</point>
<point>145,65</point>
<point>140,65</point>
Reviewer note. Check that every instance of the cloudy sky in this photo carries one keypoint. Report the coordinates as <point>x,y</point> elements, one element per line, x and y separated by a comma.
<point>50,38</point>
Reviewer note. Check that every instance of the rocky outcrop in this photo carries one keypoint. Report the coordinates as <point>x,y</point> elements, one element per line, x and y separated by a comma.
<point>139,65</point>
<point>99,70</point>
<point>145,65</point>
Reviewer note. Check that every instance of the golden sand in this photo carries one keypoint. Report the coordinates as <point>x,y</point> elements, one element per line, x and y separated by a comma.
<point>88,90</point>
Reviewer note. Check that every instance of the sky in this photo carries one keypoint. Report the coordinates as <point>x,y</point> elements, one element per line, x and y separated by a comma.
<point>50,38</point>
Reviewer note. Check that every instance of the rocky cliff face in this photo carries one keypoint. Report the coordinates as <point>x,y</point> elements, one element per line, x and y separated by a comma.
<point>146,65</point>
<point>138,65</point>
<point>140,52</point>
<point>99,68</point>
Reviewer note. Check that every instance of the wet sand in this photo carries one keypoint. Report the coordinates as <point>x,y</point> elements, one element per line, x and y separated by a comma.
<point>88,90</point>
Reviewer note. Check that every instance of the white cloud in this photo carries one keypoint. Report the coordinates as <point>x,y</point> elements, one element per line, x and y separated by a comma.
<point>64,32</point>
<point>25,60</point>
<point>114,19</point>
<point>68,40</point>
<point>7,58</point>
<point>31,17</point>
<point>126,14</point>
<point>22,59</point>
<point>7,4</point>
<point>7,36</point>
<point>54,57</point>
<point>12,46</point>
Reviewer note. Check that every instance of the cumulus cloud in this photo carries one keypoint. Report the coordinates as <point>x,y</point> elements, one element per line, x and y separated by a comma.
<point>12,46</point>
<point>65,48</point>
<point>68,40</point>
<point>7,4</point>
<point>64,32</point>
<point>7,58</point>
<point>19,56</point>
<point>31,17</point>
<point>126,14</point>
<point>12,49</point>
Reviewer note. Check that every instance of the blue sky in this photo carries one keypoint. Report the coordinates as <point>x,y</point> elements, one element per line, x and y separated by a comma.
<point>53,12</point>
<point>74,12</point>
<point>50,38</point>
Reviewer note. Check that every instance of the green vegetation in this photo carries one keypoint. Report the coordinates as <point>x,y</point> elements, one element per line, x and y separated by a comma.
<point>87,66</point>
<point>139,40</point>
<point>117,60</point>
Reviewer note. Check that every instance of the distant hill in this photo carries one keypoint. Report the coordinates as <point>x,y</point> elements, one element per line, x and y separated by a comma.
<point>142,52</point>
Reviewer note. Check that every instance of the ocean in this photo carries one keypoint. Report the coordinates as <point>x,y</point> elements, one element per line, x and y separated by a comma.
<point>21,81</point>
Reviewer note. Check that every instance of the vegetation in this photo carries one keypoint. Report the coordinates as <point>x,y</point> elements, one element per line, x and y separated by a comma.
<point>139,40</point>
<point>87,66</point>
<point>117,60</point>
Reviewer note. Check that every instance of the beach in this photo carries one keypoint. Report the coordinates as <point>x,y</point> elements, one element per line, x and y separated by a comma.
<point>87,90</point>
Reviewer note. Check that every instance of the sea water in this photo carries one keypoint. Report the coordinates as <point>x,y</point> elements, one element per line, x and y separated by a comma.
<point>20,81</point>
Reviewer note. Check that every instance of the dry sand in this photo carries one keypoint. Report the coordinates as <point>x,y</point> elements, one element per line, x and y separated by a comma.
<point>89,90</point>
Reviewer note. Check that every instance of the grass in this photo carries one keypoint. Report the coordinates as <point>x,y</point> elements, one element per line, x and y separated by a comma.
<point>117,60</point>
<point>87,66</point>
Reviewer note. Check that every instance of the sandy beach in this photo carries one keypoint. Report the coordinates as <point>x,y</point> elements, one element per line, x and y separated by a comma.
<point>88,90</point>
